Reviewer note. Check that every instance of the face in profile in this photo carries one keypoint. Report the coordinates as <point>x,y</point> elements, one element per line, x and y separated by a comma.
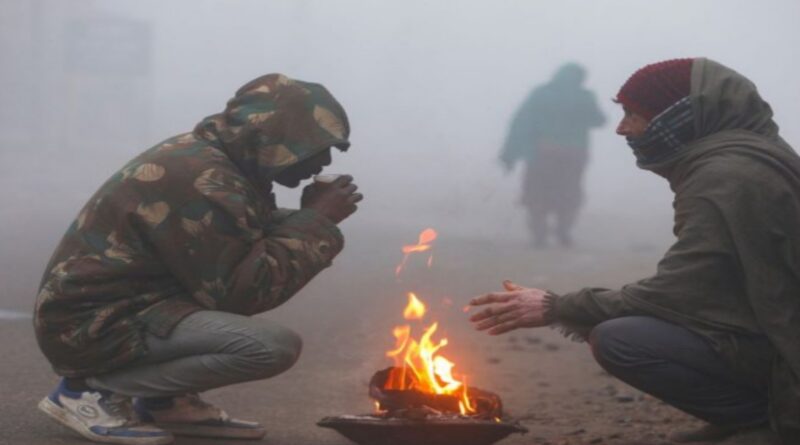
<point>293,175</point>
<point>632,125</point>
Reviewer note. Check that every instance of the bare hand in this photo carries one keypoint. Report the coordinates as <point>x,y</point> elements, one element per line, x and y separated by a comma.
<point>336,200</point>
<point>518,307</point>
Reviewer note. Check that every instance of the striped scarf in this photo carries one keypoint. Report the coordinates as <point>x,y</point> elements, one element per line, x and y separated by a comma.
<point>665,135</point>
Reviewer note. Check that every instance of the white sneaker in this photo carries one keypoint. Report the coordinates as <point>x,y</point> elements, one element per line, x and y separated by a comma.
<point>189,415</point>
<point>101,416</point>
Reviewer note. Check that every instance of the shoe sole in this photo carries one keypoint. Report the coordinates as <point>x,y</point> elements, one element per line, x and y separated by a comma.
<point>213,432</point>
<point>66,418</point>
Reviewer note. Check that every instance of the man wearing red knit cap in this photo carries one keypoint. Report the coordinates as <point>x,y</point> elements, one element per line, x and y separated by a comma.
<point>655,87</point>
<point>715,331</point>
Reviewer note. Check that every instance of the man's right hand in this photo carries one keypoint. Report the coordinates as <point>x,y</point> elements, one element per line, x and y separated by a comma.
<point>335,200</point>
<point>517,307</point>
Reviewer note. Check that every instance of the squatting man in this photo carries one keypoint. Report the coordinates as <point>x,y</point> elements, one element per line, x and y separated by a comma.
<point>148,297</point>
<point>715,331</point>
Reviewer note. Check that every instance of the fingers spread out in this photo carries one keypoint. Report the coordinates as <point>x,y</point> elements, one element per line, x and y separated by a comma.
<point>511,286</point>
<point>494,297</point>
<point>504,327</point>
<point>355,197</point>
<point>491,311</point>
<point>510,316</point>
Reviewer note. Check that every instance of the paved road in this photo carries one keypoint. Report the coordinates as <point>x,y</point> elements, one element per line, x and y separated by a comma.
<point>345,317</point>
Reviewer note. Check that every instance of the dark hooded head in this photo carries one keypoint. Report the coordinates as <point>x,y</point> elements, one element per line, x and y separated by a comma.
<point>274,123</point>
<point>723,99</point>
<point>570,74</point>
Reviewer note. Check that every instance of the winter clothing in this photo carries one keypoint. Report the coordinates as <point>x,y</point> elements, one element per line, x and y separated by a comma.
<point>665,134</point>
<point>733,274</point>
<point>652,89</point>
<point>560,112</point>
<point>188,225</point>
<point>550,133</point>
<point>553,186</point>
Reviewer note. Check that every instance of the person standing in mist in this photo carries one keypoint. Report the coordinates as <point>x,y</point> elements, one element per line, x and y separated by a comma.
<point>550,133</point>
<point>716,331</point>
<point>147,301</point>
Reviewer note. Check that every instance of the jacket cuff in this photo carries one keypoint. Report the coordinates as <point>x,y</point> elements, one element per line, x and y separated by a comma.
<point>572,331</point>
<point>551,307</point>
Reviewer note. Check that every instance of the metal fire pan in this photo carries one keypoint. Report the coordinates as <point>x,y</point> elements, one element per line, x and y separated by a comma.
<point>372,430</point>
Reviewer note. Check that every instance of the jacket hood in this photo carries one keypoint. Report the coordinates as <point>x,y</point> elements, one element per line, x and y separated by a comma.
<point>274,122</point>
<point>723,99</point>
<point>727,110</point>
<point>569,75</point>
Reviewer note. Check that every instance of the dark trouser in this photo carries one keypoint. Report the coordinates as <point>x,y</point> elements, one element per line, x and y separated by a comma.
<point>679,367</point>
<point>553,185</point>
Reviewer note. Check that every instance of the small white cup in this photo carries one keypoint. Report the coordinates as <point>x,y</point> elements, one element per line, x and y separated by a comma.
<point>326,179</point>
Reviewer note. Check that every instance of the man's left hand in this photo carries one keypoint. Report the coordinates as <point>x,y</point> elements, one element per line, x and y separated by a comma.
<point>518,307</point>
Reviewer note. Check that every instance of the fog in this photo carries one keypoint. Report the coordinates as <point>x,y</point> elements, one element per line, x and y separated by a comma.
<point>429,88</point>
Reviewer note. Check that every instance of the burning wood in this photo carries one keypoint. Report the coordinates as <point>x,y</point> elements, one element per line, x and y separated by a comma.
<point>410,403</point>
<point>419,367</point>
<point>419,400</point>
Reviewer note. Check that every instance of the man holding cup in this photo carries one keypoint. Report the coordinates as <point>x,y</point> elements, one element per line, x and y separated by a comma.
<point>147,301</point>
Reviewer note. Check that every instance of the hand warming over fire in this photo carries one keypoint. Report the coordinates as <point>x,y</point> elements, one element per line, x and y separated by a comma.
<point>518,307</point>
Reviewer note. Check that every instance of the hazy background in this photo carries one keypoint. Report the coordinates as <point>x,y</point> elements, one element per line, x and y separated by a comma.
<point>429,87</point>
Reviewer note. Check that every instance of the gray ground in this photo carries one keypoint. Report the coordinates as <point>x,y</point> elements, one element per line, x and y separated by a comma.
<point>345,316</point>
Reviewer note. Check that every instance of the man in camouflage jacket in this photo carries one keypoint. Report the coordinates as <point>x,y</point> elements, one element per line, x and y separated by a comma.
<point>149,293</point>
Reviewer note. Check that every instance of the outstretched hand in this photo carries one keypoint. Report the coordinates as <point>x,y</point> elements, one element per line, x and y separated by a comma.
<point>518,307</point>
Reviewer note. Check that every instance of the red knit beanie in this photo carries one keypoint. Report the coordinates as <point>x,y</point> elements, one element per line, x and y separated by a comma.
<point>652,89</point>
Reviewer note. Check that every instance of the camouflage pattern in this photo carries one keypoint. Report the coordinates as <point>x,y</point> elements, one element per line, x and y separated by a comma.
<point>191,224</point>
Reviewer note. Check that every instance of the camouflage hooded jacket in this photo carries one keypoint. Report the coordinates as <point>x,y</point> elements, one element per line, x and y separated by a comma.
<point>191,224</point>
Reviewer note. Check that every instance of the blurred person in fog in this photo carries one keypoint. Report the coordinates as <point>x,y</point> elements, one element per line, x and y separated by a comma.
<point>550,133</point>
<point>716,331</point>
<point>147,301</point>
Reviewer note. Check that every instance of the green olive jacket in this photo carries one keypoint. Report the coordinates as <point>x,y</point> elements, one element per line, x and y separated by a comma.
<point>734,270</point>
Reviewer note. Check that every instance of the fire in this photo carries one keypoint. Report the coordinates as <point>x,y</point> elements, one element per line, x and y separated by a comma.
<point>426,237</point>
<point>418,364</point>
<point>415,309</point>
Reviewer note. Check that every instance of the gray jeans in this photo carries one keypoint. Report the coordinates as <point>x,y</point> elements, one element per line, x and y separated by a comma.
<point>206,350</point>
<point>681,368</point>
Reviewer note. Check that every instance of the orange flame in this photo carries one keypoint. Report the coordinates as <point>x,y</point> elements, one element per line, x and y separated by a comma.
<point>418,364</point>
<point>415,309</point>
<point>426,237</point>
